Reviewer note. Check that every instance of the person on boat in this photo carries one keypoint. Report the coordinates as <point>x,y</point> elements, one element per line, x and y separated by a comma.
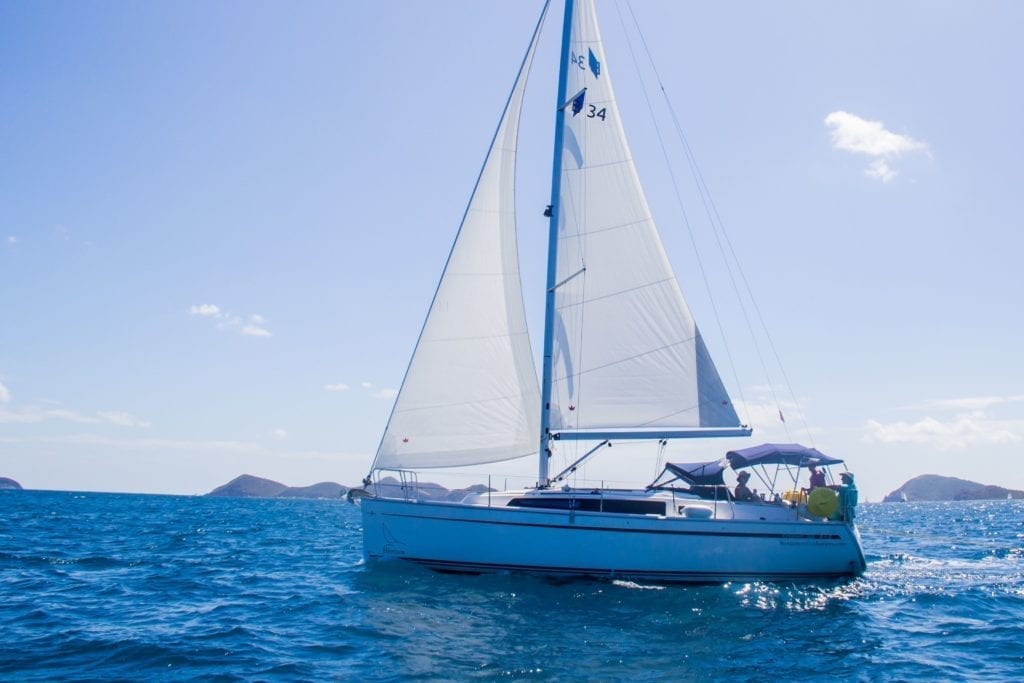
<point>847,498</point>
<point>741,492</point>
<point>817,478</point>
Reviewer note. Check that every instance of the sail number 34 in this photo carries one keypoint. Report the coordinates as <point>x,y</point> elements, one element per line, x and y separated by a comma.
<point>592,111</point>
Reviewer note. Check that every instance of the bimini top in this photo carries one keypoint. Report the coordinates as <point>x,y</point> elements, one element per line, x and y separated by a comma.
<point>710,473</point>
<point>779,454</point>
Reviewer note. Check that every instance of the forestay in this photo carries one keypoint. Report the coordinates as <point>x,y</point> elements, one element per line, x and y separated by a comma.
<point>626,350</point>
<point>470,394</point>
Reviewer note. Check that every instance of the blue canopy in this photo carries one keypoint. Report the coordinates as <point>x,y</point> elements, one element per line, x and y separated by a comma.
<point>779,454</point>
<point>710,473</point>
<point>699,473</point>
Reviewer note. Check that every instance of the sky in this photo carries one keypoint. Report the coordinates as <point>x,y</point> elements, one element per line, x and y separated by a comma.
<point>221,224</point>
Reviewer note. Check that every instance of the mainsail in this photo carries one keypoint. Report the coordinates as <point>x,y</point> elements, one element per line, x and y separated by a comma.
<point>470,395</point>
<point>627,353</point>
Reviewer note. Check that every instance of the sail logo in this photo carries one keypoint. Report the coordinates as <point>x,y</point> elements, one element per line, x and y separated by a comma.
<point>590,62</point>
<point>577,102</point>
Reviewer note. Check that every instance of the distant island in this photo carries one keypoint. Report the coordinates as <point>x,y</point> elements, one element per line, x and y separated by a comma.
<point>932,487</point>
<point>248,486</point>
<point>9,484</point>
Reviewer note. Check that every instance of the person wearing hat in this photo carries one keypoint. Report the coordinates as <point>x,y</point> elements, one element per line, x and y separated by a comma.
<point>847,498</point>
<point>741,492</point>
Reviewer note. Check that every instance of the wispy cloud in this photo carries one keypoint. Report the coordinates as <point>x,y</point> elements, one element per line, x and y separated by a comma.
<point>210,446</point>
<point>962,431</point>
<point>11,239</point>
<point>207,310</point>
<point>340,386</point>
<point>252,325</point>
<point>33,414</point>
<point>962,422</point>
<point>880,169</point>
<point>255,331</point>
<point>771,416</point>
<point>5,395</point>
<point>122,419</point>
<point>969,403</point>
<point>851,133</point>
<point>279,434</point>
<point>140,444</point>
<point>382,392</point>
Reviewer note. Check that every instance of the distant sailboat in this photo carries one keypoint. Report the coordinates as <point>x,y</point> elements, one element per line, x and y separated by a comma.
<point>623,359</point>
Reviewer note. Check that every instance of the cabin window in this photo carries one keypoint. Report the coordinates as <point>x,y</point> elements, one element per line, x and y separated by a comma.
<point>629,507</point>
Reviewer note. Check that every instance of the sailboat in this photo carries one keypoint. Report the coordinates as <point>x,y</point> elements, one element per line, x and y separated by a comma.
<point>623,360</point>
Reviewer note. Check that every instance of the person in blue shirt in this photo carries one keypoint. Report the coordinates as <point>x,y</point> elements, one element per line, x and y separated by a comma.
<point>847,498</point>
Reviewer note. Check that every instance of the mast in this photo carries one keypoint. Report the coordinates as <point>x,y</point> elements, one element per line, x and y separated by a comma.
<point>544,453</point>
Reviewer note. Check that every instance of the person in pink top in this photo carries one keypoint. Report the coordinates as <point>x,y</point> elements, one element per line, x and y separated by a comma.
<point>817,478</point>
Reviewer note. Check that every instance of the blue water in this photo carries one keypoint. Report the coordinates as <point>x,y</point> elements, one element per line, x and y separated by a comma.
<point>166,587</point>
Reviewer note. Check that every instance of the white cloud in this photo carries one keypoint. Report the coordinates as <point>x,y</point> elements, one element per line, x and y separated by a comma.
<point>207,310</point>
<point>879,168</point>
<point>140,444</point>
<point>851,133</point>
<point>383,392</point>
<point>970,403</point>
<point>35,414</point>
<point>255,331</point>
<point>252,326</point>
<point>337,387</point>
<point>761,411</point>
<point>123,419</point>
<point>279,434</point>
<point>962,431</point>
<point>5,395</point>
<point>11,239</point>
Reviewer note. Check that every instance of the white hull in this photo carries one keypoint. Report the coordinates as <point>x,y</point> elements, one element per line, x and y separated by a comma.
<point>479,538</point>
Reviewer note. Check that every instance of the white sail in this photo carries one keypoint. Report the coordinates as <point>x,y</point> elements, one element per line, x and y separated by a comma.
<point>627,353</point>
<point>470,395</point>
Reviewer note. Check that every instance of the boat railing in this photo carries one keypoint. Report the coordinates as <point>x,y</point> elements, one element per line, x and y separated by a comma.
<point>405,484</point>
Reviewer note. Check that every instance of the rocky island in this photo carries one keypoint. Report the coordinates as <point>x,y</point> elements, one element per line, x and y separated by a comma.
<point>932,487</point>
<point>9,484</point>
<point>248,486</point>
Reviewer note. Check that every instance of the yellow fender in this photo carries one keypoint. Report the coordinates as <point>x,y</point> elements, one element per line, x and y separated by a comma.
<point>822,502</point>
<point>798,497</point>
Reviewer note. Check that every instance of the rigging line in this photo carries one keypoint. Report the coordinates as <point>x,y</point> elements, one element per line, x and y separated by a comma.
<point>679,198</point>
<point>714,216</point>
<point>659,462</point>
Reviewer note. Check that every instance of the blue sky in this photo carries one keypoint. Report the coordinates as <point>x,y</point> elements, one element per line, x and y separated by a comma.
<point>221,224</point>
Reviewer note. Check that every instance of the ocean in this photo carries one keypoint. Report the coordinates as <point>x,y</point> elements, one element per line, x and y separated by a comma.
<point>118,586</point>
